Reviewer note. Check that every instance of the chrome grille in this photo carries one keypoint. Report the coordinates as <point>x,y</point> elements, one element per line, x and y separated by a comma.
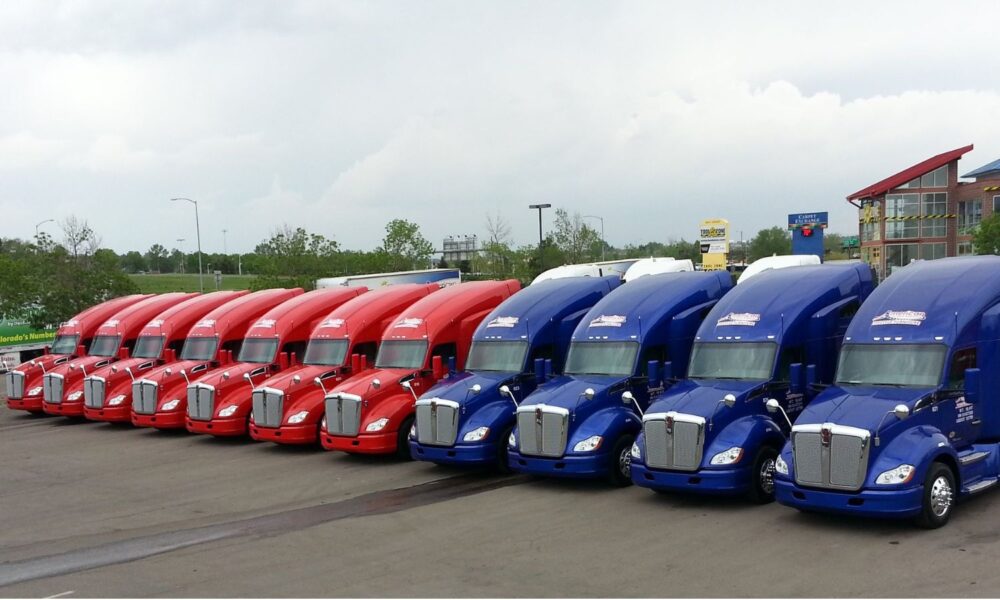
<point>15,385</point>
<point>52,388</point>
<point>437,422</point>
<point>674,440</point>
<point>201,401</point>
<point>94,389</point>
<point>268,407</point>
<point>542,430</point>
<point>830,456</point>
<point>144,394</point>
<point>343,414</point>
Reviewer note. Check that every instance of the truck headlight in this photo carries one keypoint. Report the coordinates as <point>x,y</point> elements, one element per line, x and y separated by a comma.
<point>74,396</point>
<point>228,411</point>
<point>588,445</point>
<point>413,431</point>
<point>512,440</point>
<point>171,405</point>
<point>377,425</point>
<point>636,452</point>
<point>35,391</point>
<point>298,417</point>
<point>901,474</point>
<point>728,457</point>
<point>116,400</point>
<point>476,435</point>
<point>781,466</point>
<point>323,422</point>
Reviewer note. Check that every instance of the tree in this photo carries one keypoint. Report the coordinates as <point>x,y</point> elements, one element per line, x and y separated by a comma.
<point>155,257</point>
<point>404,246</point>
<point>770,241</point>
<point>294,258</point>
<point>574,238</point>
<point>80,238</point>
<point>986,236</point>
<point>133,262</point>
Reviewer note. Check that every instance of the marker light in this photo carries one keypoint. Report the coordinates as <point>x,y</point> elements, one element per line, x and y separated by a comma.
<point>377,425</point>
<point>476,435</point>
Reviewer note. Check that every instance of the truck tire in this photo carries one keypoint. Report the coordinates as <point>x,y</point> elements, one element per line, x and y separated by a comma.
<point>619,474</point>
<point>502,466</point>
<point>403,439</point>
<point>939,497</point>
<point>762,476</point>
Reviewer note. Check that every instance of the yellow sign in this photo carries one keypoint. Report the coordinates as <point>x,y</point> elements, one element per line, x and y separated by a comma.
<point>713,236</point>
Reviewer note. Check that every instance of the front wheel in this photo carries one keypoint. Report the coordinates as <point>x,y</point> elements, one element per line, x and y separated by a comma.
<point>501,464</point>
<point>762,476</point>
<point>939,497</point>
<point>619,473</point>
<point>403,439</point>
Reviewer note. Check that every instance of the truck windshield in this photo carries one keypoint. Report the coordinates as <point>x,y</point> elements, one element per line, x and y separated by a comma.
<point>601,358</point>
<point>199,348</point>
<point>910,365</point>
<point>326,353</point>
<point>64,344</point>
<point>104,345</point>
<point>401,354</point>
<point>148,346</point>
<point>258,350</point>
<point>504,357</point>
<point>737,360</point>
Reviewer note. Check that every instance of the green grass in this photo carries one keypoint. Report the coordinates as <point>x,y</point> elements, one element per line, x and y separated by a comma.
<point>188,282</point>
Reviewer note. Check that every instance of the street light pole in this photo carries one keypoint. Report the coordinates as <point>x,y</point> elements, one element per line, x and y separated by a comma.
<point>224,249</point>
<point>197,226</point>
<point>180,242</point>
<point>603,244</point>
<point>539,207</point>
<point>42,223</point>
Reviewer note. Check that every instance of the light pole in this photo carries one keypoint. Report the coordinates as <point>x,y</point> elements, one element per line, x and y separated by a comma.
<point>224,250</point>
<point>601,219</point>
<point>539,208</point>
<point>42,223</point>
<point>180,242</point>
<point>197,227</point>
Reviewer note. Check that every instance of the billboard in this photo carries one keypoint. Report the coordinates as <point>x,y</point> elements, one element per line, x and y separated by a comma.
<point>807,232</point>
<point>713,236</point>
<point>17,332</point>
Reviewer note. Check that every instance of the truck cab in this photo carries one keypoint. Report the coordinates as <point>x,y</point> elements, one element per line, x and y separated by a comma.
<point>372,413</point>
<point>467,419</point>
<point>628,346</point>
<point>289,407</point>
<point>775,336</point>
<point>159,398</point>
<point>911,422</point>
<point>114,340</point>
<point>220,401</point>
<point>24,382</point>
<point>107,392</point>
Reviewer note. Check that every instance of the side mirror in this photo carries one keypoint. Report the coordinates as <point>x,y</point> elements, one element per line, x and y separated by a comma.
<point>795,375</point>
<point>46,349</point>
<point>246,376</point>
<point>730,400</point>
<point>406,385</point>
<point>505,390</point>
<point>588,393</point>
<point>476,389</point>
<point>114,369</point>
<point>72,366</point>
<point>627,398</point>
<point>653,373</point>
<point>437,368</point>
<point>772,406</point>
<point>80,350</point>
<point>901,411</point>
<point>376,383</point>
<point>225,375</point>
<point>317,382</point>
<point>810,376</point>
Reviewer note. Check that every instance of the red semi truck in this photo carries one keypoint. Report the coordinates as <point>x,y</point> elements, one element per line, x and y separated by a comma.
<point>220,401</point>
<point>372,413</point>
<point>62,387</point>
<point>24,382</point>
<point>289,409</point>
<point>107,392</point>
<point>159,399</point>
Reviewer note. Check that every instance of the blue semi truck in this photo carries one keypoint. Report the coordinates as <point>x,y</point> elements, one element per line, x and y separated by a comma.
<point>912,421</point>
<point>629,345</point>
<point>467,419</point>
<point>775,336</point>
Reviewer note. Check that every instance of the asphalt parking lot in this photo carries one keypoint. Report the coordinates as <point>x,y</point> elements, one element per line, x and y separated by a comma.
<point>98,510</point>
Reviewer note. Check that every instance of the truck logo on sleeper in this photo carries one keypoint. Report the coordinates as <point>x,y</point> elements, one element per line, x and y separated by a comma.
<point>900,317</point>
<point>332,323</point>
<point>503,322</point>
<point>265,323</point>
<point>608,321</point>
<point>205,323</point>
<point>410,323</point>
<point>744,319</point>
<point>111,323</point>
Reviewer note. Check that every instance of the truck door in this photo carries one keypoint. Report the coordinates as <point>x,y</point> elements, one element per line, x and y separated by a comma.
<point>961,417</point>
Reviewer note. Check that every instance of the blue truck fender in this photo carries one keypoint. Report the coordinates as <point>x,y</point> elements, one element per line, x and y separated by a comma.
<point>492,415</point>
<point>609,423</point>
<point>751,433</point>
<point>918,446</point>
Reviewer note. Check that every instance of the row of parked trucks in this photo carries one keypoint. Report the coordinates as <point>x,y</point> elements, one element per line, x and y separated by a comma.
<point>805,383</point>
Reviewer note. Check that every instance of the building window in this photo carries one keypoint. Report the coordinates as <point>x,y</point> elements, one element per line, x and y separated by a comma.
<point>932,251</point>
<point>871,218</point>
<point>996,205</point>
<point>899,255</point>
<point>936,178</point>
<point>970,213</point>
<point>965,249</point>
<point>902,212</point>
<point>934,204</point>
<point>912,184</point>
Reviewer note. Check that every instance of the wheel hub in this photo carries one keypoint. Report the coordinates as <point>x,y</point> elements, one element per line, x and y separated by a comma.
<point>625,462</point>
<point>767,476</point>
<point>941,496</point>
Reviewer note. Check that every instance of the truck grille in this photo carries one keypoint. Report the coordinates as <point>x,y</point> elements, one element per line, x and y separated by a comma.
<point>15,385</point>
<point>201,401</point>
<point>93,392</point>
<point>674,440</point>
<point>144,393</point>
<point>542,430</point>
<point>343,415</point>
<point>830,456</point>
<point>52,388</point>
<point>268,407</point>
<point>437,422</point>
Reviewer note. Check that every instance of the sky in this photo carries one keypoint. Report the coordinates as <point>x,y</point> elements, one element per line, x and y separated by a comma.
<point>340,116</point>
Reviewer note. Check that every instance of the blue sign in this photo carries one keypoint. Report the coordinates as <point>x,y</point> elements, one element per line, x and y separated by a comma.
<point>816,219</point>
<point>807,232</point>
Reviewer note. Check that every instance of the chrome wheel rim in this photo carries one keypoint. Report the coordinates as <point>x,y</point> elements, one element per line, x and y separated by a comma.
<point>941,496</point>
<point>625,461</point>
<point>767,476</point>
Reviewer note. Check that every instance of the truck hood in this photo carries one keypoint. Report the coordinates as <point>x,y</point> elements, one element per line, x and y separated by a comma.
<point>862,407</point>
<point>702,397</point>
<point>33,373</point>
<point>304,395</point>
<point>230,387</point>
<point>173,386</point>
<point>566,391</point>
<point>456,388</point>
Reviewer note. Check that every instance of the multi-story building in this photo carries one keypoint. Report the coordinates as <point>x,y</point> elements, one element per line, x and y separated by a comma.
<point>925,211</point>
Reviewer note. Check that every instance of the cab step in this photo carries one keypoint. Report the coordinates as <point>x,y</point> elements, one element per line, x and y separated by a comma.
<point>981,485</point>
<point>972,457</point>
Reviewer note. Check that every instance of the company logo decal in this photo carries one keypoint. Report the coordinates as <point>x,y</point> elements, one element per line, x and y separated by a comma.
<point>155,323</point>
<point>900,317</point>
<point>265,323</point>
<point>205,323</point>
<point>825,436</point>
<point>111,323</point>
<point>608,321</point>
<point>70,323</point>
<point>332,323</point>
<point>410,323</point>
<point>742,319</point>
<point>503,322</point>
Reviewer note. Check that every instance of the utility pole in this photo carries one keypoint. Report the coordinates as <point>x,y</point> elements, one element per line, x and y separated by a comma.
<point>539,207</point>
<point>197,225</point>
<point>603,243</point>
